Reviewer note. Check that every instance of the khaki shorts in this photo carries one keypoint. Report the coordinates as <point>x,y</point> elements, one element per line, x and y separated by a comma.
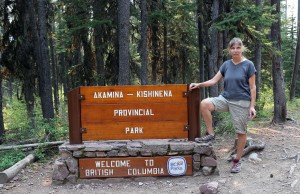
<point>238,109</point>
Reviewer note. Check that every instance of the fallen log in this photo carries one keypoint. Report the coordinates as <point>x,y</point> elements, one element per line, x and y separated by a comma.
<point>31,145</point>
<point>247,150</point>
<point>11,172</point>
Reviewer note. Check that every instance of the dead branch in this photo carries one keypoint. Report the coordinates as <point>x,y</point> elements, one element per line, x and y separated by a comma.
<point>296,157</point>
<point>247,150</point>
<point>292,169</point>
<point>31,145</point>
<point>11,172</point>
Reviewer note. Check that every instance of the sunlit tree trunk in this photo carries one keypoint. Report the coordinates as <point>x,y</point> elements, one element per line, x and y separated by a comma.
<point>2,129</point>
<point>165,59</point>
<point>123,29</point>
<point>297,59</point>
<point>54,69</point>
<point>200,17</point>
<point>257,59</point>
<point>144,61</point>
<point>280,110</point>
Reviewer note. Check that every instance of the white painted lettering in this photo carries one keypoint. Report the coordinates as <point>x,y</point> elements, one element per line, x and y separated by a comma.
<point>145,171</point>
<point>112,163</point>
<point>133,112</point>
<point>149,162</point>
<point>115,112</point>
<point>109,94</point>
<point>99,172</point>
<point>134,130</point>
<point>154,94</point>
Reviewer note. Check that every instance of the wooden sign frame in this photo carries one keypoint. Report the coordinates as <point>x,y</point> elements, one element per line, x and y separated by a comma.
<point>81,120</point>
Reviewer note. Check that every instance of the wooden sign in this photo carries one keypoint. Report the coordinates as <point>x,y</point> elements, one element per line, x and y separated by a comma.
<point>135,166</point>
<point>134,112</point>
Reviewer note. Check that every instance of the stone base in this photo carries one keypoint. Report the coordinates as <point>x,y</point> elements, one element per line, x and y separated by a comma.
<point>66,166</point>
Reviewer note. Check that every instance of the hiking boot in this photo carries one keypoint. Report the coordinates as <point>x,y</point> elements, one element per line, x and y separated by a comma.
<point>205,138</point>
<point>236,168</point>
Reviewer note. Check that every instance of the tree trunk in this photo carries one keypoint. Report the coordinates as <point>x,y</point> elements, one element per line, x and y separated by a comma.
<point>10,88</point>
<point>280,110</point>
<point>62,69</point>
<point>75,58</point>
<point>32,145</point>
<point>2,129</point>
<point>154,43</point>
<point>213,56</point>
<point>54,69</point>
<point>28,87</point>
<point>11,172</point>
<point>144,61</point>
<point>87,58</point>
<point>45,85</point>
<point>28,74</point>
<point>99,31</point>
<point>123,29</point>
<point>297,59</point>
<point>165,60</point>
<point>63,74</point>
<point>200,17</point>
<point>184,57</point>
<point>257,59</point>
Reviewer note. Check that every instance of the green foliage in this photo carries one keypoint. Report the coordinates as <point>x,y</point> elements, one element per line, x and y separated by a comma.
<point>250,15</point>
<point>44,154</point>
<point>293,107</point>
<point>39,153</point>
<point>224,124</point>
<point>18,128</point>
<point>289,41</point>
<point>57,127</point>
<point>243,20</point>
<point>9,158</point>
<point>294,104</point>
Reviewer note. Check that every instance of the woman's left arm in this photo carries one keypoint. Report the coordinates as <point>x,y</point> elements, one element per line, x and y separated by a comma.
<point>252,86</point>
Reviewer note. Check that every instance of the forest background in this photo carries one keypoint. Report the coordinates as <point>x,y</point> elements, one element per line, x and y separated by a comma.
<point>49,47</point>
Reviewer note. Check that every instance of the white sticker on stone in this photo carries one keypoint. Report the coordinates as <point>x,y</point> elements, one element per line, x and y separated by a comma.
<point>177,166</point>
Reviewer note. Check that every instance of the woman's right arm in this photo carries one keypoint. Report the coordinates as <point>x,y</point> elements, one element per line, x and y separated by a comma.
<point>207,83</point>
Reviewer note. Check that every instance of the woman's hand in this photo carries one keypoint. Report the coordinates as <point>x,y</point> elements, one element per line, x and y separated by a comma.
<point>252,113</point>
<point>193,86</point>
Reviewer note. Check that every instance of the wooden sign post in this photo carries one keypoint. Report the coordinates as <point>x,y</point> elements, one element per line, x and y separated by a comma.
<point>133,112</point>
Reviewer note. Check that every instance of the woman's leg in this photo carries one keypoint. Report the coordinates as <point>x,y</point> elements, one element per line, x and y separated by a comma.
<point>241,143</point>
<point>206,107</point>
<point>239,111</point>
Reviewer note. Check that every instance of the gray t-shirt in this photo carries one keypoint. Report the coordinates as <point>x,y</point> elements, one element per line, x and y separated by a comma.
<point>236,79</point>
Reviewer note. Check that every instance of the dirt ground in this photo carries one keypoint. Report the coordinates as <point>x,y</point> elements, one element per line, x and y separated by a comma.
<point>277,172</point>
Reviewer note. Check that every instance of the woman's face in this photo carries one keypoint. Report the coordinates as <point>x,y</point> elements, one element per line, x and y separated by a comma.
<point>236,50</point>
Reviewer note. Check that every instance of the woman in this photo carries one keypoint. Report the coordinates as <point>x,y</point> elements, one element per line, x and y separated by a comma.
<point>238,97</point>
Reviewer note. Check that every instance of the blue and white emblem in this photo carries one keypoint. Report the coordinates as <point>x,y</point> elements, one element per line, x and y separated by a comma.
<point>177,166</point>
